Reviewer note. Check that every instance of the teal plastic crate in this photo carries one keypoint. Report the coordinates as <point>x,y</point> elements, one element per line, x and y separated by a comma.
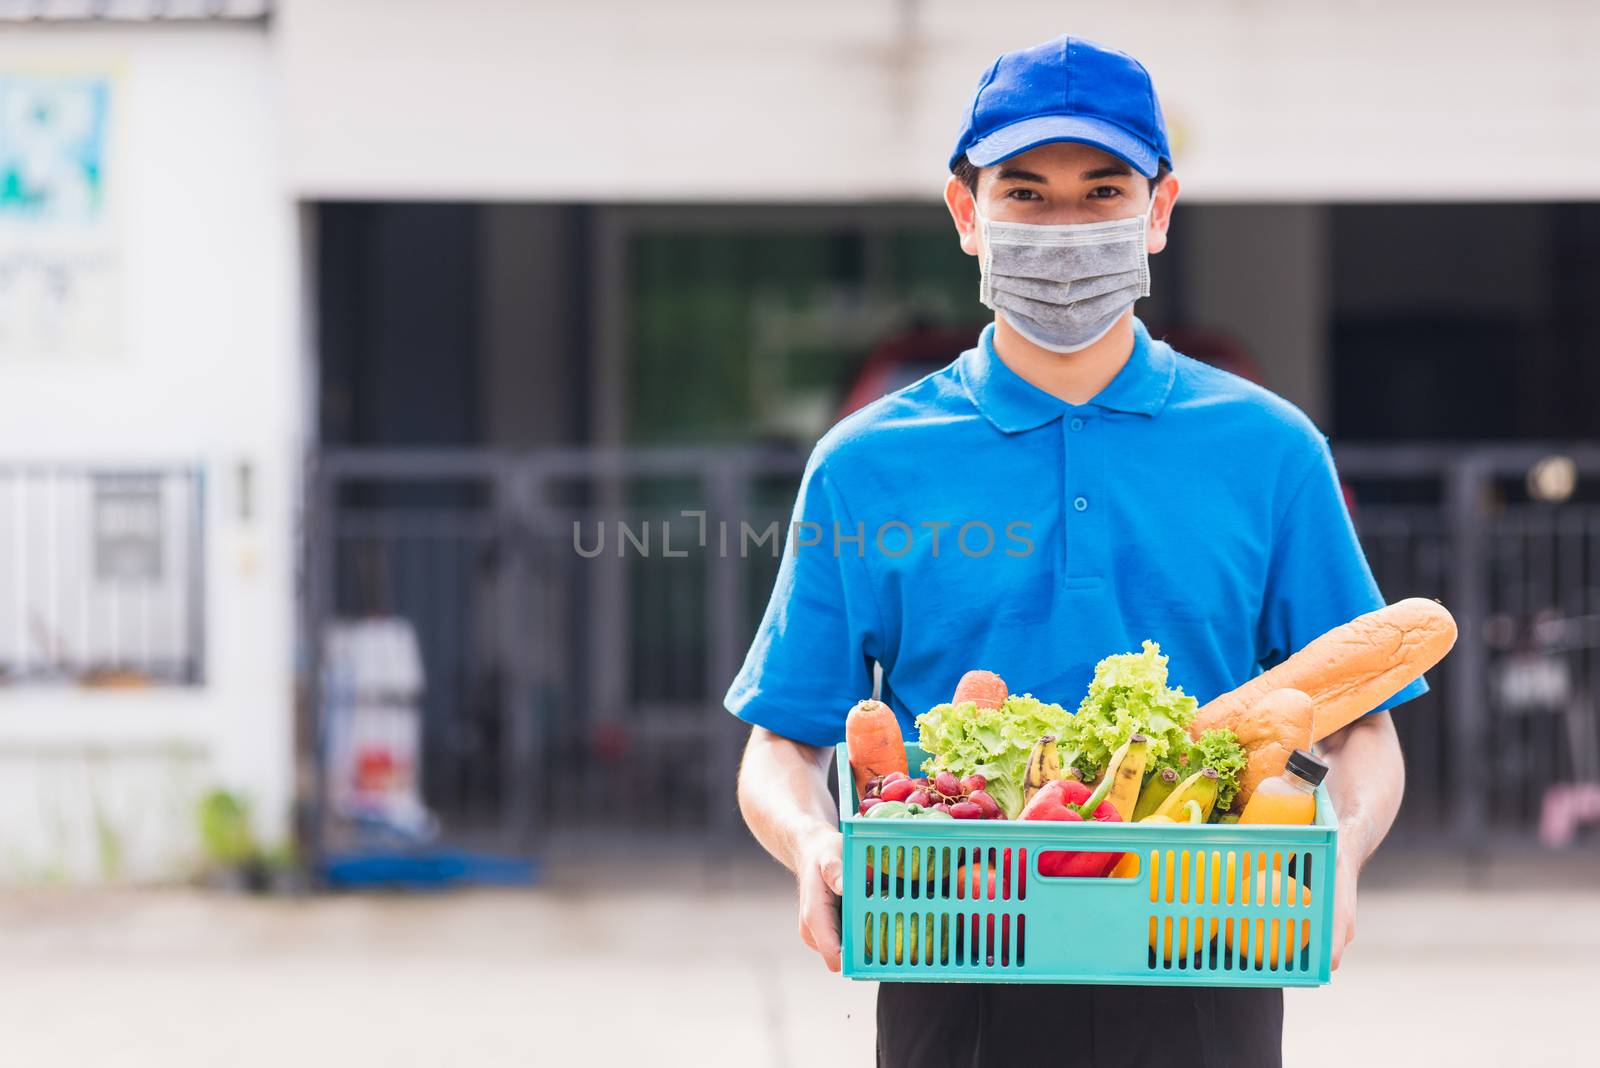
<point>963,901</point>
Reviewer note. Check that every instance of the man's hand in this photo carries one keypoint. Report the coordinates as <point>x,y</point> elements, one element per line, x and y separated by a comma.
<point>1344,906</point>
<point>820,880</point>
<point>1366,778</point>
<point>783,793</point>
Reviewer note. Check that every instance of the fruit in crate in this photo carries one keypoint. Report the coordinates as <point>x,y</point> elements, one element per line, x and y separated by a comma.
<point>1044,766</point>
<point>898,790</point>
<point>1202,786</point>
<point>966,810</point>
<point>1126,771</point>
<point>942,797</point>
<point>1259,935</point>
<point>988,808</point>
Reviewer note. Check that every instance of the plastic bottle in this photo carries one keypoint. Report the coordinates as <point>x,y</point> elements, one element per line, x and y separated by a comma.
<point>1291,797</point>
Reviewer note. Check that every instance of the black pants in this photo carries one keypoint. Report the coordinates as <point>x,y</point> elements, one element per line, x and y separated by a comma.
<point>1004,1025</point>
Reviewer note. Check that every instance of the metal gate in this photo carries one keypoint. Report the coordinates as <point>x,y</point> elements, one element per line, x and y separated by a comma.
<point>572,697</point>
<point>1512,718</point>
<point>573,685</point>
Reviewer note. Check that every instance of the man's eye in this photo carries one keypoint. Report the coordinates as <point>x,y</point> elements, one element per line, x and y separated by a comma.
<point>1105,192</point>
<point>1022,194</point>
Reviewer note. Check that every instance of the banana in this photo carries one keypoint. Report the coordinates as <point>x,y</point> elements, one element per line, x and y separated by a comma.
<point>1157,790</point>
<point>1044,765</point>
<point>1126,772</point>
<point>1202,786</point>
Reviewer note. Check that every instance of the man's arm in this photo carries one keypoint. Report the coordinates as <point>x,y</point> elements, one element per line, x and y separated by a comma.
<point>1366,779</point>
<point>783,794</point>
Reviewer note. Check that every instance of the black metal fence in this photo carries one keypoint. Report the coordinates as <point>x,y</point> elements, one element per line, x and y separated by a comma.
<point>573,688</point>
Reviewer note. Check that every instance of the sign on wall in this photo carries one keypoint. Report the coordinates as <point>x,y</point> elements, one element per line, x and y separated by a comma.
<point>58,253</point>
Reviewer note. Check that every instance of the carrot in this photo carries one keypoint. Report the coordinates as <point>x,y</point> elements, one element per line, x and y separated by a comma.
<point>983,688</point>
<point>873,739</point>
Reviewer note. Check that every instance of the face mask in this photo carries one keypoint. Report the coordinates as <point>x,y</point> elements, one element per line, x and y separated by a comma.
<point>1063,287</point>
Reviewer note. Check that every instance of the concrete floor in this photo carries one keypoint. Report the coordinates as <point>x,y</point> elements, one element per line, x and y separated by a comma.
<point>691,967</point>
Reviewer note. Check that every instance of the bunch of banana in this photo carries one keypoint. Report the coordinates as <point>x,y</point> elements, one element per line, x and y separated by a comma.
<point>1157,790</point>
<point>1044,765</point>
<point>1202,786</point>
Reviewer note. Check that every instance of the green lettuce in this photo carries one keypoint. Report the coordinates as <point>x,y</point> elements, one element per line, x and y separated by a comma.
<point>1129,695</point>
<point>992,742</point>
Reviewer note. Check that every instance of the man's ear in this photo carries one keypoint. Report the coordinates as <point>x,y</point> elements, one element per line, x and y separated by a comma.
<point>958,198</point>
<point>1166,195</point>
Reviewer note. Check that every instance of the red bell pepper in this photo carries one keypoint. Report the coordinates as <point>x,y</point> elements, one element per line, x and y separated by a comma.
<point>1064,800</point>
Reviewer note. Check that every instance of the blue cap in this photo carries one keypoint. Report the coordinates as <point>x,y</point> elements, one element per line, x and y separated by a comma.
<point>1067,89</point>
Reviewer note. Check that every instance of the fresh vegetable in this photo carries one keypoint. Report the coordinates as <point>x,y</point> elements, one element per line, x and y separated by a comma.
<point>899,810</point>
<point>1125,772</point>
<point>967,739</point>
<point>1067,800</point>
<point>873,740</point>
<point>983,688</point>
<point>1157,787</point>
<point>1044,765</point>
<point>1202,786</point>
<point>1129,695</point>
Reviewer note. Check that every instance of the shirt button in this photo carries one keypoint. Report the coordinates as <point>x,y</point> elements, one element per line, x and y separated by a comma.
<point>1076,424</point>
<point>1080,503</point>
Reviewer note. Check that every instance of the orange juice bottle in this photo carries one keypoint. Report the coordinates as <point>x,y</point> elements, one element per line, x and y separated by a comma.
<point>1289,798</point>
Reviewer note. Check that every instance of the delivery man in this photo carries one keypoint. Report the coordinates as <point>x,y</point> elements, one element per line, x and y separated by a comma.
<point>1063,490</point>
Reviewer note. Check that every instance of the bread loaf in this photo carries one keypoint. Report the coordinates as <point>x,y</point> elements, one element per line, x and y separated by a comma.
<point>1269,730</point>
<point>1351,669</point>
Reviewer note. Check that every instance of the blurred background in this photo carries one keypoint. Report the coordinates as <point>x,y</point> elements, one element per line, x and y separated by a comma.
<point>323,322</point>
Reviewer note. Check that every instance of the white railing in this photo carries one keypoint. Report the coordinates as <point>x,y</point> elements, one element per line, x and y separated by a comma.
<point>101,574</point>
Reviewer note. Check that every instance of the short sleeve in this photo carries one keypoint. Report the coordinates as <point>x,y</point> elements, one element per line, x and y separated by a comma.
<point>811,657</point>
<point>1319,576</point>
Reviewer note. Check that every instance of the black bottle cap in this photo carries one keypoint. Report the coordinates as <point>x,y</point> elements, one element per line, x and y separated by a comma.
<point>1307,766</point>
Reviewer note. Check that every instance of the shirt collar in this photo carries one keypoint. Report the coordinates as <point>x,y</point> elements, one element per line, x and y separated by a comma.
<point>1014,404</point>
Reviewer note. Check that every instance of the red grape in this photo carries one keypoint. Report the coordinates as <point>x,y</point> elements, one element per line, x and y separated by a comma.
<point>946,783</point>
<point>868,803</point>
<point>920,797</point>
<point>874,784</point>
<point>973,783</point>
<point>898,790</point>
<point>923,784</point>
<point>966,810</point>
<point>894,776</point>
<point>985,803</point>
<point>943,806</point>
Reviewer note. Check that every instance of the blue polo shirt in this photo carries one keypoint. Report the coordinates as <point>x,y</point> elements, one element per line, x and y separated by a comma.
<point>972,520</point>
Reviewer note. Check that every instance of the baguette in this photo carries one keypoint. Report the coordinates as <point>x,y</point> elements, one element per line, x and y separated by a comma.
<point>1351,669</point>
<point>1268,731</point>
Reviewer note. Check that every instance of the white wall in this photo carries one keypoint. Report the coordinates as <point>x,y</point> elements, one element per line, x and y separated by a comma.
<point>207,370</point>
<point>844,99</point>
